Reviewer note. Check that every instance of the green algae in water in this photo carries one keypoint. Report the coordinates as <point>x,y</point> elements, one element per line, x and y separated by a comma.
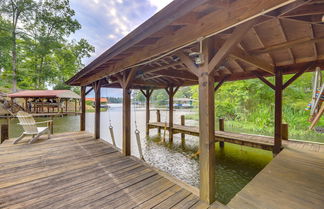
<point>235,167</point>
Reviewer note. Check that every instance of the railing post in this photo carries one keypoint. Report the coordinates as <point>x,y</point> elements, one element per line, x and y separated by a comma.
<point>158,118</point>
<point>52,125</point>
<point>83,108</point>
<point>284,131</point>
<point>4,132</point>
<point>221,128</point>
<point>278,111</point>
<point>183,139</point>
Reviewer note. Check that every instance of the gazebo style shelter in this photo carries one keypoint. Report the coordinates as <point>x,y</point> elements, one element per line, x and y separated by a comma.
<point>207,43</point>
<point>48,101</point>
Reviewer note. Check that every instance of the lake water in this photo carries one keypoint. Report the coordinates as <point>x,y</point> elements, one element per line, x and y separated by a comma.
<point>235,165</point>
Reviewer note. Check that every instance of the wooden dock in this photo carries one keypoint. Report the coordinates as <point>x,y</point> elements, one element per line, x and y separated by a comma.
<point>255,141</point>
<point>293,179</point>
<point>73,170</point>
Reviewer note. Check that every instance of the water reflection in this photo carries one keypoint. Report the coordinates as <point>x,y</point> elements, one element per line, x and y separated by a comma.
<point>235,165</point>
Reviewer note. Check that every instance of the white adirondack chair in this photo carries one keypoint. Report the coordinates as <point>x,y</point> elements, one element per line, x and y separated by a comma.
<point>29,125</point>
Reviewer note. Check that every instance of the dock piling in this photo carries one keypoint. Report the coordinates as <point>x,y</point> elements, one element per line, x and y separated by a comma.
<point>284,131</point>
<point>183,139</point>
<point>221,128</point>
<point>4,132</point>
<point>158,118</point>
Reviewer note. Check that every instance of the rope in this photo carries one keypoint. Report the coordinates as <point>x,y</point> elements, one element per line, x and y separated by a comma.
<point>137,133</point>
<point>111,129</point>
<point>165,126</point>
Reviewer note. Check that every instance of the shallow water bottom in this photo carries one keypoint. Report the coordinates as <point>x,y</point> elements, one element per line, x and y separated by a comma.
<point>235,165</point>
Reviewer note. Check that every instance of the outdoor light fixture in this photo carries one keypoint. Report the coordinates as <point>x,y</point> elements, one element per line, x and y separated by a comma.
<point>175,58</point>
<point>109,80</point>
<point>323,18</point>
<point>198,56</point>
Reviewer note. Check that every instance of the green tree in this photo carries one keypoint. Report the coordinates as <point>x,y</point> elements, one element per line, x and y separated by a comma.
<point>51,22</point>
<point>17,11</point>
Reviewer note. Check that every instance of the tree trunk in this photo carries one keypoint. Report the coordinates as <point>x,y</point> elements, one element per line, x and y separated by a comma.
<point>14,62</point>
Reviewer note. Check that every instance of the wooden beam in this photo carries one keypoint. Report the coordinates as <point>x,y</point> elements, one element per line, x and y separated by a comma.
<point>189,63</point>
<point>241,11</point>
<point>126,122</point>
<point>148,94</point>
<point>158,22</point>
<point>86,93</point>
<point>97,87</point>
<point>283,33</point>
<point>163,67</point>
<point>256,62</point>
<point>297,75</point>
<point>83,108</point>
<point>170,91</point>
<point>285,45</point>
<point>129,77</point>
<point>306,10</point>
<point>278,111</point>
<point>230,43</point>
<point>220,83</point>
<point>264,80</point>
<point>206,129</point>
<point>179,74</point>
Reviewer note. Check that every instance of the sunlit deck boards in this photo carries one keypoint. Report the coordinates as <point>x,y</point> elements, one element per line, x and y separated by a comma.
<point>294,179</point>
<point>73,170</point>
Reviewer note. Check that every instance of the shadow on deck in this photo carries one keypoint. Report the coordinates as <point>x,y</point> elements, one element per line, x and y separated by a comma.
<point>73,170</point>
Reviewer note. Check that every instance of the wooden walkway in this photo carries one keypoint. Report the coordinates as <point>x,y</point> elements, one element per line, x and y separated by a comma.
<point>293,179</point>
<point>73,170</point>
<point>256,141</point>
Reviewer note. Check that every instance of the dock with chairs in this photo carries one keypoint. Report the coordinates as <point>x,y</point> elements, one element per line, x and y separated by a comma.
<point>75,170</point>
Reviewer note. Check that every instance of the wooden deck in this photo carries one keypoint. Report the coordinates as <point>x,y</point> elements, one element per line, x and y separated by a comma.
<point>256,141</point>
<point>73,170</point>
<point>293,179</point>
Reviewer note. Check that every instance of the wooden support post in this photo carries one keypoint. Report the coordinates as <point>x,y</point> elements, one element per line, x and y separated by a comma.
<point>171,114</point>
<point>147,111</point>
<point>97,86</point>
<point>171,92</point>
<point>26,104</point>
<point>75,105</point>
<point>278,111</point>
<point>183,139</point>
<point>221,128</point>
<point>206,127</point>
<point>207,144</point>
<point>4,132</point>
<point>83,109</point>
<point>158,119</point>
<point>147,93</point>
<point>284,131</point>
<point>42,109</point>
<point>66,105</point>
<point>52,125</point>
<point>125,82</point>
<point>126,122</point>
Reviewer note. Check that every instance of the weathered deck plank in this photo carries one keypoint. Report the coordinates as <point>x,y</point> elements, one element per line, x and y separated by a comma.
<point>73,170</point>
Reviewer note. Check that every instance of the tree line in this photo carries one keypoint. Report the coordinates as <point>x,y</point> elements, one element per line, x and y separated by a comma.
<point>35,48</point>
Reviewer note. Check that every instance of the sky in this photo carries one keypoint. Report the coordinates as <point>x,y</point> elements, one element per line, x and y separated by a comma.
<point>105,22</point>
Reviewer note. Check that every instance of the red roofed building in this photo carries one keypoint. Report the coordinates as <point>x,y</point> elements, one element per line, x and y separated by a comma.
<point>40,101</point>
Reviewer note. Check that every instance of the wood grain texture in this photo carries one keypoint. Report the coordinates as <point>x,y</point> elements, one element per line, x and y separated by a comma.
<point>294,179</point>
<point>72,170</point>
